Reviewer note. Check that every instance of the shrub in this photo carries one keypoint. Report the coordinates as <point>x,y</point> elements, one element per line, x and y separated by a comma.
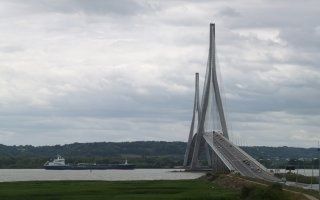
<point>272,192</point>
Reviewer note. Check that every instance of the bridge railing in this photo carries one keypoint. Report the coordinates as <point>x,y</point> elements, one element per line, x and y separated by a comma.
<point>247,155</point>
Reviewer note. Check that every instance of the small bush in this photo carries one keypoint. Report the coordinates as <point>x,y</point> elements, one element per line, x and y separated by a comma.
<point>245,191</point>
<point>272,192</point>
<point>211,177</point>
<point>276,186</point>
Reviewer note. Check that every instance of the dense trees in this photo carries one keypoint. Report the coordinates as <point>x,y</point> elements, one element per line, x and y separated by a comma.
<point>145,154</point>
<point>150,154</point>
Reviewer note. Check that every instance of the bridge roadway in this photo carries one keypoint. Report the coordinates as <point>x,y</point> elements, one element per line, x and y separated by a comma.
<point>236,159</point>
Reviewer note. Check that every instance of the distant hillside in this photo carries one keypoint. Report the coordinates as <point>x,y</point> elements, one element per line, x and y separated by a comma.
<point>281,152</point>
<point>142,153</point>
<point>149,154</point>
<point>149,148</point>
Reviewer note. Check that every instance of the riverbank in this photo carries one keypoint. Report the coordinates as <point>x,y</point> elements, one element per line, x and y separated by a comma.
<point>298,178</point>
<point>226,187</point>
<point>267,190</point>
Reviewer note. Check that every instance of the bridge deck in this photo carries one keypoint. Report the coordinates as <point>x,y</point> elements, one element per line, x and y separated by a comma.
<point>236,159</point>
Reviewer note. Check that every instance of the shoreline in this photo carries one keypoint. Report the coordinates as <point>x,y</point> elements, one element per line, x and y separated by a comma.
<point>207,186</point>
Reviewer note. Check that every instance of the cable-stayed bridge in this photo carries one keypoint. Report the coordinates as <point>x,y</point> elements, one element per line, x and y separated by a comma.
<point>208,144</point>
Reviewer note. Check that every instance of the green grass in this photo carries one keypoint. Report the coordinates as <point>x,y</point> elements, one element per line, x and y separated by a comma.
<point>148,190</point>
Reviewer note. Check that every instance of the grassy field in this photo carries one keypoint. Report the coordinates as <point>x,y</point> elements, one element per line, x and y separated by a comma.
<point>149,190</point>
<point>213,187</point>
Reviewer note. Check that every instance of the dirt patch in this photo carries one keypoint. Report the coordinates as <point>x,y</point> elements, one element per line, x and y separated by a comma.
<point>232,182</point>
<point>239,183</point>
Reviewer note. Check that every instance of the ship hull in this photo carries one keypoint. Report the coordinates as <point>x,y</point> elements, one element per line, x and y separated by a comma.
<point>90,167</point>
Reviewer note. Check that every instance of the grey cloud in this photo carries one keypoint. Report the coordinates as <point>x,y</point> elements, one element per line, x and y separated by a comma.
<point>302,38</point>
<point>229,12</point>
<point>123,70</point>
<point>96,7</point>
<point>11,49</point>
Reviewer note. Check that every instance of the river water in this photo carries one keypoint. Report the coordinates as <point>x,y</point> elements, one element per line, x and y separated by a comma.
<point>7,175</point>
<point>305,172</point>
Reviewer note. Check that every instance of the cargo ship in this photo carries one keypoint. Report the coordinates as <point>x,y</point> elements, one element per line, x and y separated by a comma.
<point>59,164</point>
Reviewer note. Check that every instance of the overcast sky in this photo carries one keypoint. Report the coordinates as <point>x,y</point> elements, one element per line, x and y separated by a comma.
<point>123,70</point>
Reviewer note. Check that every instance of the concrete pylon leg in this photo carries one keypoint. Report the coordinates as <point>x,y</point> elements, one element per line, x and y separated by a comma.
<point>206,148</point>
<point>215,83</point>
<point>195,114</point>
<point>214,162</point>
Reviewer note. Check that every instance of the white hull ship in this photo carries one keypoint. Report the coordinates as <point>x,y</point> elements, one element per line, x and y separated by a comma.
<point>59,164</point>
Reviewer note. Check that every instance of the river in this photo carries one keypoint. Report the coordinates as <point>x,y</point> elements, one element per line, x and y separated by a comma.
<point>305,172</point>
<point>8,175</point>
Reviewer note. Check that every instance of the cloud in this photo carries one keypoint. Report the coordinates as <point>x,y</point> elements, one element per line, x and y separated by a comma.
<point>96,7</point>
<point>229,12</point>
<point>76,71</point>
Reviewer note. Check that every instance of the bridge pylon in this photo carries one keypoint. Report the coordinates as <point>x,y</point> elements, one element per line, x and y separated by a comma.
<point>211,98</point>
<point>208,142</point>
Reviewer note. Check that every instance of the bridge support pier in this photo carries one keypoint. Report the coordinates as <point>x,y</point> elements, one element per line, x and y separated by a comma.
<point>218,165</point>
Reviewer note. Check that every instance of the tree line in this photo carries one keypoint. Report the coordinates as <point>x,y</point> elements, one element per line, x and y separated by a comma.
<point>145,154</point>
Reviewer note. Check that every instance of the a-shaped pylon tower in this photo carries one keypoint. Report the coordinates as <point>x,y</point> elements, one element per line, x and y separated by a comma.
<point>208,143</point>
<point>203,119</point>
